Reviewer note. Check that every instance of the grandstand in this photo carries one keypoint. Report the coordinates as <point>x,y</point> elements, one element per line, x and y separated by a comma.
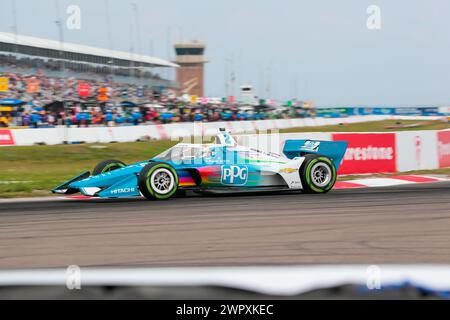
<point>59,59</point>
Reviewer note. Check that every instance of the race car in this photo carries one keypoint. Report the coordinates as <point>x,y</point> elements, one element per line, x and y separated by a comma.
<point>221,167</point>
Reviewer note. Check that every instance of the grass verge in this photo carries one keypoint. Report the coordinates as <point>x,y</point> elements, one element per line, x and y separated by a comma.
<point>33,171</point>
<point>376,126</point>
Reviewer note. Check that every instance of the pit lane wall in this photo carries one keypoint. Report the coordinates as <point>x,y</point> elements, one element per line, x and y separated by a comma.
<point>367,153</point>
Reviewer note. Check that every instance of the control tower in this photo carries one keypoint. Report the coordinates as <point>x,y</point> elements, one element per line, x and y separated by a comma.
<point>190,74</point>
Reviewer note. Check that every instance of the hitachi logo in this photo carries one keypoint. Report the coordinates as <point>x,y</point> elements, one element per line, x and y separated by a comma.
<point>124,190</point>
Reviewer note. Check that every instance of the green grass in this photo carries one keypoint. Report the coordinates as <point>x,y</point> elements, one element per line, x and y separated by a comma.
<point>33,171</point>
<point>374,126</point>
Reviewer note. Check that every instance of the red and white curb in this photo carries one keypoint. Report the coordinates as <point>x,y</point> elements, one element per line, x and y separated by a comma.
<point>387,181</point>
<point>353,184</point>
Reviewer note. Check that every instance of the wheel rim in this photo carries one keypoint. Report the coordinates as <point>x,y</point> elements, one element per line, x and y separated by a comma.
<point>321,174</point>
<point>162,181</point>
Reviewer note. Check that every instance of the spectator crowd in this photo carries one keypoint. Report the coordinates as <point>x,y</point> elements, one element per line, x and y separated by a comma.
<point>41,99</point>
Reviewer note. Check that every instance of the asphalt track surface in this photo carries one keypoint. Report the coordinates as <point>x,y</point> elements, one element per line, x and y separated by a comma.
<point>404,224</point>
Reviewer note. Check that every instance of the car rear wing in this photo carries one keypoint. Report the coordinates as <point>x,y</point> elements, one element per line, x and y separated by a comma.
<point>335,150</point>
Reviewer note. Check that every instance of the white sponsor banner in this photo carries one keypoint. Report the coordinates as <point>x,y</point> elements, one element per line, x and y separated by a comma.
<point>444,110</point>
<point>416,150</point>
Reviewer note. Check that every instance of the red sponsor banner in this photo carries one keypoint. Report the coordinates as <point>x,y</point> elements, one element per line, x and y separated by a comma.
<point>368,152</point>
<point>6,138</point>
<point>84,90</point>
<point>444,149</point>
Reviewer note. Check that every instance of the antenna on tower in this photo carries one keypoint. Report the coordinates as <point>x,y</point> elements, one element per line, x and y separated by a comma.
<point>58,23</point>
<point>150,47</point>
<point>227,84</point>
<point>108,26</point>
<point>14,26</point>
<point>131,49</point>
<point>180,33</point>
<point>109,34</point>
<point>168,47</point>
<point>269,81</point>
<point>138,31</point>
<point>138,26</point>
<point>232,75</point>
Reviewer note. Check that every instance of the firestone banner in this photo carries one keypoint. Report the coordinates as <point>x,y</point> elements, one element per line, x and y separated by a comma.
<point>368,152</point>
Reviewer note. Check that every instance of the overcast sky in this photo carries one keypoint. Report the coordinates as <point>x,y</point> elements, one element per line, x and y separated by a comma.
<point>318,50</point>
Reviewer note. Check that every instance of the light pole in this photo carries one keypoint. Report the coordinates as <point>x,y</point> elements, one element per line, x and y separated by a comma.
<point>58,23</point>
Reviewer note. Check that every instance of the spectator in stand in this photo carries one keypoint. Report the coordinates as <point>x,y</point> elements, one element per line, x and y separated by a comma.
<point>44,118</point>
<point>51,88</point>
<point>198,116</point>
<point>35,119</point>
<point>136,116</point>
<point>97,118</point>
<point>26,119</point>
<point>120,119</point>
<point>109,118</point>
<point>151,115</point>
<point>51,119</point>
<point>79,119</point>
<point>62,118</point>
<point>68,119</point>
<point>4,121</point>
<point>87,118</point>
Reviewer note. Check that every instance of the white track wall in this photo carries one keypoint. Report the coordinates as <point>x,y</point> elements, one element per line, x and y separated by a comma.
<point>367,152</point>
<point>417,150</point>
<point>405,151</point>
<point>59,135</point>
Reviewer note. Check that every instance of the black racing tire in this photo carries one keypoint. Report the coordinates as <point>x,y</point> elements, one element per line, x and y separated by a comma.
<point>152,188</point>
<point>317,174</point>
<point>107,166</point>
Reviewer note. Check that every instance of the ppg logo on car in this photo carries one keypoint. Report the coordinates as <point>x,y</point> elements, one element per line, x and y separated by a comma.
<point>234,175</point>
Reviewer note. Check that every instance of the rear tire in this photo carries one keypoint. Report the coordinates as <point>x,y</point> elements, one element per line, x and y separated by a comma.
<point>107,166</point>
<point>158,181</point>
<point>318,174</point>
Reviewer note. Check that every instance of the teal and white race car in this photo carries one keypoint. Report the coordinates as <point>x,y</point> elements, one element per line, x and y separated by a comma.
<point>222,167</point>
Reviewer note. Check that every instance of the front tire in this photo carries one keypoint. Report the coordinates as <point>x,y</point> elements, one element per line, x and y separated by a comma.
<point>107,166</point>
<point>158,181</point>
<point>318,174</point>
